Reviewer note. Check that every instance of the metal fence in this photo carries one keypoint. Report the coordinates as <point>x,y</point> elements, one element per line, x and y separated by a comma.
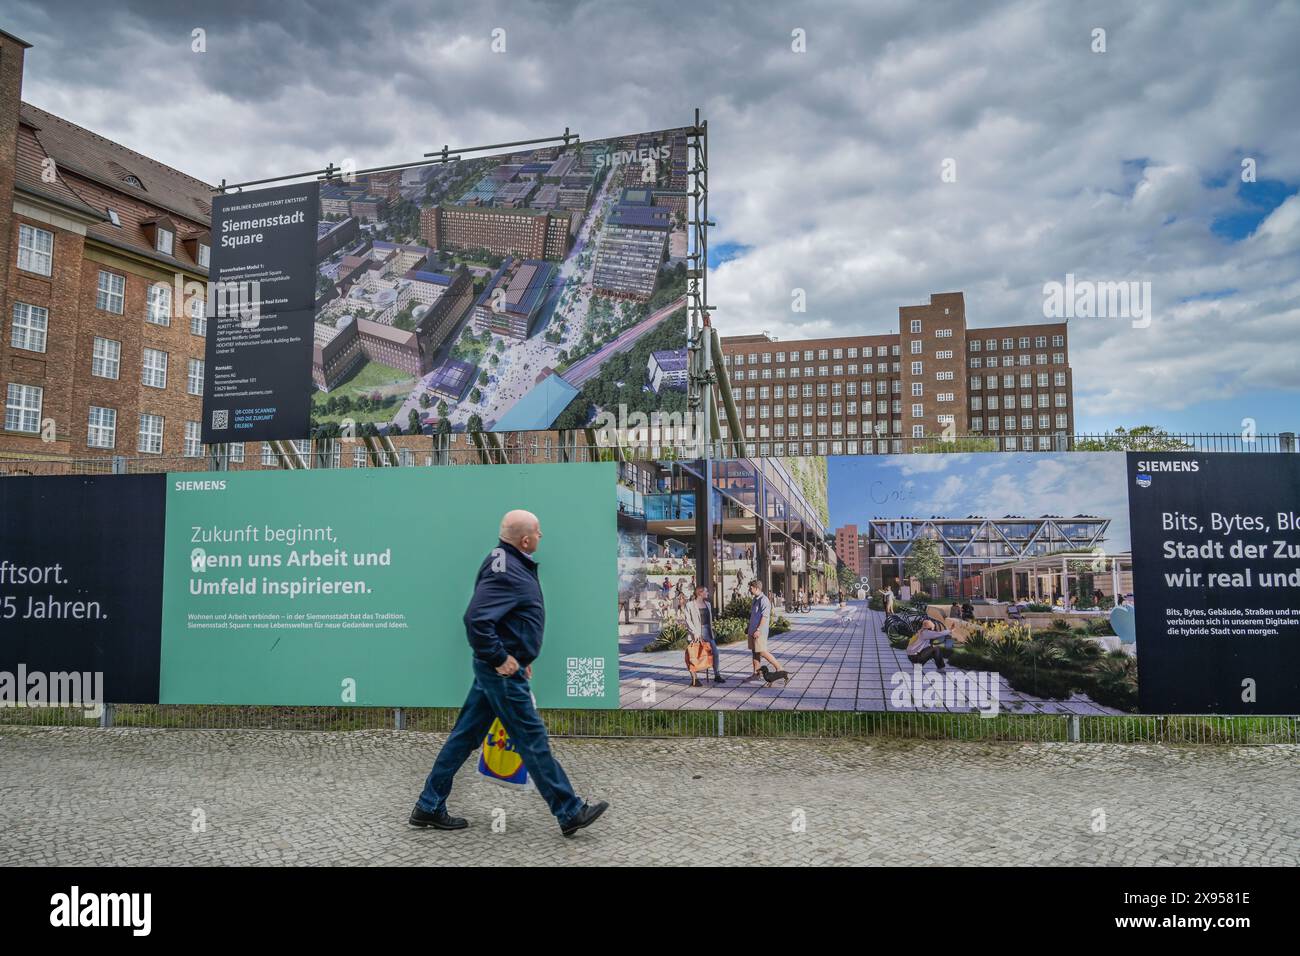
<point>551,447</point>
<point>1008,728</point>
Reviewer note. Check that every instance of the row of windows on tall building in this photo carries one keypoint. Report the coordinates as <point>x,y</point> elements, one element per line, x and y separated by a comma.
<point>28,331</point>
<point>808,429</point>
<point>884,351</point>
<point>878,445</point>
<point>836,389</point>
<point>35,254</point>
<point>36,247</point>
<point>885,368</point>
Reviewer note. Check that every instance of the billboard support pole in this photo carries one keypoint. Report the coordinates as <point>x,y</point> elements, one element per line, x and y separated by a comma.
<point>701,371</point>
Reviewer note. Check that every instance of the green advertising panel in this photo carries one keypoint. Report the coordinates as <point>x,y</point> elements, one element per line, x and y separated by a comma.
<point>348,586</point>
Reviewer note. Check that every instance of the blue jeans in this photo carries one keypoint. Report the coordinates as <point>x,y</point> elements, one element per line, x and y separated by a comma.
<point>509,698</point>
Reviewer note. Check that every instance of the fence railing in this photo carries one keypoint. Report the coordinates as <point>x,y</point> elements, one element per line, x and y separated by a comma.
<point>425,451</point>
<point>1013,728</point>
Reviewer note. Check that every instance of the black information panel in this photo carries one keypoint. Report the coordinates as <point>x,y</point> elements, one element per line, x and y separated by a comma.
<point>1216,569</point>
<point>81,584</point>
<point>257,382</point>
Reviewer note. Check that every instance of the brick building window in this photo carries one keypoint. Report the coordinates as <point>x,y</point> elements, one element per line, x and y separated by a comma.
<point>107,358</point>
<point>23,408</point>
<point>101,429</point>
<point>193,444</point>
<point>29,326</point>
<point>151,434</point>
<point>198,316</point>
<point>194,380</point>
<point>154,370</point>
<point>160,304</point>
<point>35,250</point>
<point>111,296</point>
<point>237,452</point>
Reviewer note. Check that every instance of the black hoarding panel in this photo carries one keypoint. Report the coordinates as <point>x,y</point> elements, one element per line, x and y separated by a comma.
<point>1216,567</point>
<point>257,382</point>
<point>81,580</point>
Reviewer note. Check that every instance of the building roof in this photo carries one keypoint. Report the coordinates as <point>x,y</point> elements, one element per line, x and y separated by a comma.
<point>386,332</point>
<point>437,278</point>
<point>641,217</point>
<point>451,378</point>
<point>670,360</point>
<point>537,410</point>
<point>91,175</point>
<point>99,158</point>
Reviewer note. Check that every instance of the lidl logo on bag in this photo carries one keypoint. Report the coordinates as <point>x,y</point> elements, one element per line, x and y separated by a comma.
<point>498,760</point>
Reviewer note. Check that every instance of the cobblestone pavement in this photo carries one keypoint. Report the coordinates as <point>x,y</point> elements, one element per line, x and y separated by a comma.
<point>131,796</point>
<point>838,659</point>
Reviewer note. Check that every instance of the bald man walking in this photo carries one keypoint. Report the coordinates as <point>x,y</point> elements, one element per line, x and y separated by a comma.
<point>504,623</point>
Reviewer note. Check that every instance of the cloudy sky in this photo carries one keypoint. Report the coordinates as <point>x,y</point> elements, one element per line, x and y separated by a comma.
<point>826,164</point>
<point>868,487</point>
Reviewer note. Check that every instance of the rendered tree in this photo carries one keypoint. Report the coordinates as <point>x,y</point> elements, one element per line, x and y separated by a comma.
<point>924,562</point>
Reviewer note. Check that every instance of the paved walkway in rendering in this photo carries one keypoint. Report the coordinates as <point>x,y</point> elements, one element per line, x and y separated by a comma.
<point>838,659</point>
<point>132,797</point>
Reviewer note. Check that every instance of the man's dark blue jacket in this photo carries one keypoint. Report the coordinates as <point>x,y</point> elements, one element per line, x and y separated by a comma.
<point>506,615</point>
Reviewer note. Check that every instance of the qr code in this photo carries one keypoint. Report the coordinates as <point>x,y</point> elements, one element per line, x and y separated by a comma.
<point>220,419</point>
<point>586,676</point>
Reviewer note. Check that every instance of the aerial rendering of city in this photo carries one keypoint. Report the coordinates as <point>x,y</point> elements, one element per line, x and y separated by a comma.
<point>512,293</point>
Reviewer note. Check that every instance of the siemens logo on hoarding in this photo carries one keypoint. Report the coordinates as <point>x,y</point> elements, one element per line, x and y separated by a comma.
<point>208,485</point>
<point>1149,466</point>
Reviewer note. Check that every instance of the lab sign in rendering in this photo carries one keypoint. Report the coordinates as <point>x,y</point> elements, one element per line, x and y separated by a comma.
<point>1217,551</point>
<point>260,331</point>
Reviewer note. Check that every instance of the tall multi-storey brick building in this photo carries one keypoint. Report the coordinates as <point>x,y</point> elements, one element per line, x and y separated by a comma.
<point>100,351</point>
<point>882,393</point>
<point>525,233</point>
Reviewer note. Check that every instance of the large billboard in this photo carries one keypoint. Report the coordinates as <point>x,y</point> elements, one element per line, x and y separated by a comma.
<point>260,330</point>
<point>523,291</point>
<point>948,582</point>
<point>1219,562</point>
<point>348,586</point>
<point>1085,584</point>
<point>80,586</point>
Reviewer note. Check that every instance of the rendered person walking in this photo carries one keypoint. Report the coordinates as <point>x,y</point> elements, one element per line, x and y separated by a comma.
<point>504,623</point>
<point>760,621</point>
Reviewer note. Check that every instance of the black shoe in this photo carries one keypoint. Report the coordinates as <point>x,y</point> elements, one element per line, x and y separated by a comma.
<point>719,679</point>
<point>442,820</point>
<point>584,818</point>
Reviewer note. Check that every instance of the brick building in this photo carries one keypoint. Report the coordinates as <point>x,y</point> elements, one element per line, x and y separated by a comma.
<point>103,344</point>
<point>848,548</point>
<point>1010,385</point>
<point>525,233</point>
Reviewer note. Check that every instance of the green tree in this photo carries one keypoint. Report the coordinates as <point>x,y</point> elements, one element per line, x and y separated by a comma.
<point>425,400</point>
<point>475,423</point>
<point>925,563</point>
<point>413,422</point>
<point>848,580</point>
<point>442,408</point>
<point>1139,438</point>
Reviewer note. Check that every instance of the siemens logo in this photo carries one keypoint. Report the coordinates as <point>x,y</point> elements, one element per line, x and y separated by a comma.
<point>1149,466</point>
<point>210,485</point>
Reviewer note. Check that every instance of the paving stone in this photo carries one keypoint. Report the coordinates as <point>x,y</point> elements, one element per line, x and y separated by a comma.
<point>74,796</point>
